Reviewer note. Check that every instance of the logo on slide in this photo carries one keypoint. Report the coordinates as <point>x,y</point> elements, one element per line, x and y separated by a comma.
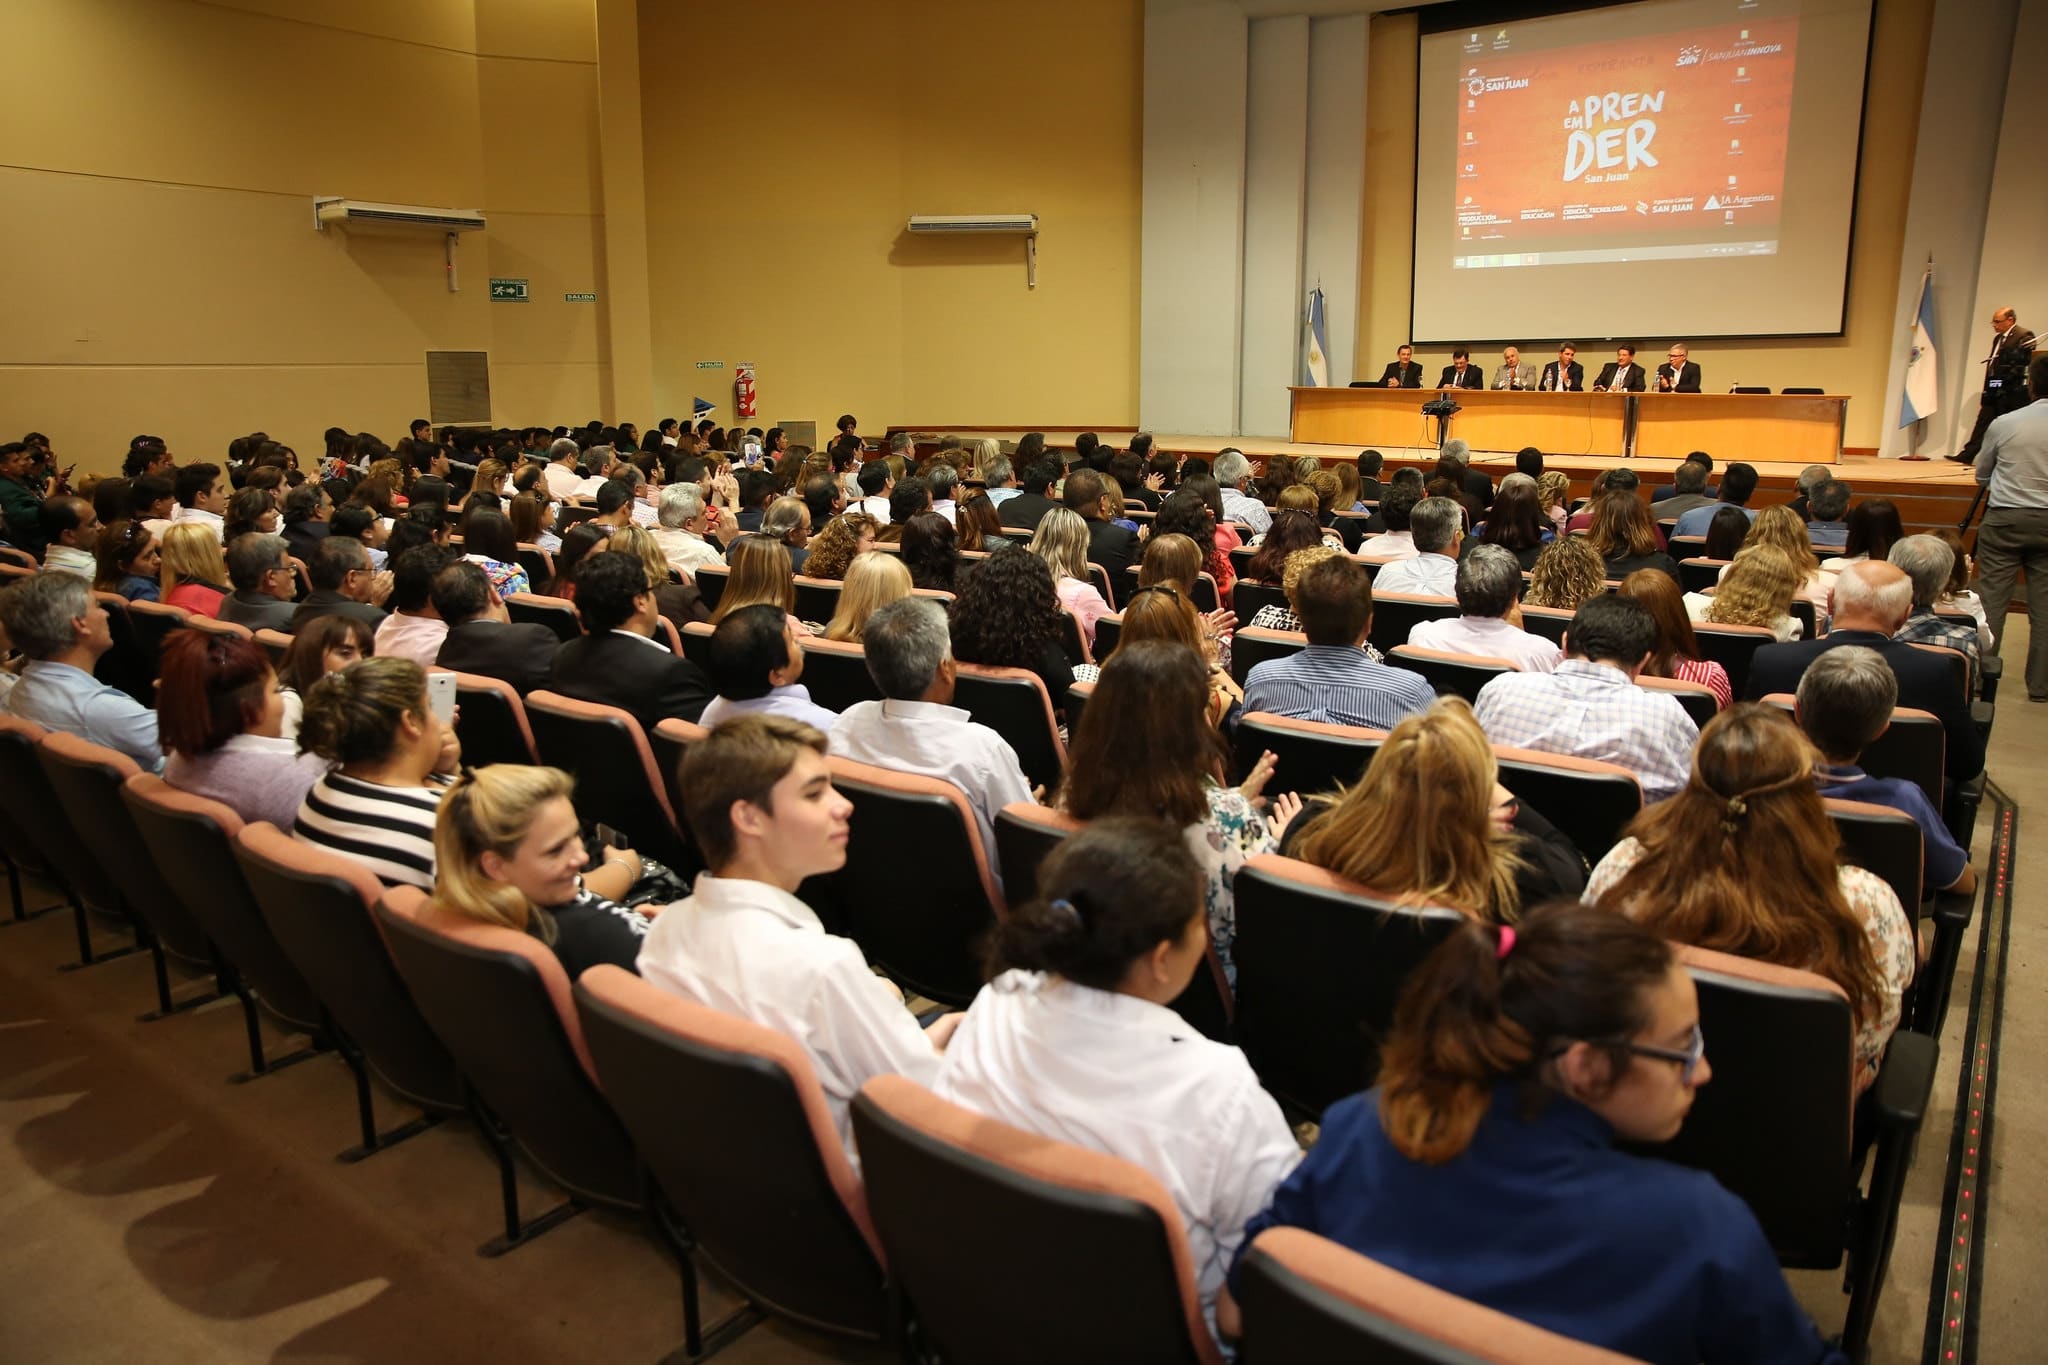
<point>1690,56</point>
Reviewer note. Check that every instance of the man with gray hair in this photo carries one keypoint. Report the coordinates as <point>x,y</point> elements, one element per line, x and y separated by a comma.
<point>1927,561</point>
<point>1844,703</point>
<point>1001,479</point>
<point>1689,482</point>
<point>260,567</point>
<point>564,479</point>
<point>54,619</point>
<point>1827,507</point>
<point>1810,478</point>
<point>1436,525</point>
<point>916,728</point>
<point>1489,624</point>
<point>681,533</point>
<point>1869,603</point>
<point>1232,471</point>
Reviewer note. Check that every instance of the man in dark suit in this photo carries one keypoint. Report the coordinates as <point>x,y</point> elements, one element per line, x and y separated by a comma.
<point>1461,373</point>
<point>1564,373</point>
<point>1870,602</point>
<point>1678,374</point>
<point>306,509</point>
<point>1621,374</point>
<point>1370,463</point>
<point>343,585</point>
<point>1404,373</point>
<point>482,636</point>
<point>1109,545</point>
<point>617,662</point>
<point>1029,507</point>
<point>2005,379</point>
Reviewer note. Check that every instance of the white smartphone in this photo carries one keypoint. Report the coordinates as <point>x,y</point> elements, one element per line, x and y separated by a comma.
<point>441,696</point>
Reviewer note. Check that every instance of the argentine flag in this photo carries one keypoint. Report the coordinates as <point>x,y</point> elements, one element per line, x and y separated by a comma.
<point>1923,381</point>
<point>1316,342</point>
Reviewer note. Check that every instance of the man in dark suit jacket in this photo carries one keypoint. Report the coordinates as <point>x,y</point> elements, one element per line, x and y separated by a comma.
<point>1029,507</point>
<point>483,638</point>
<point>1109,545</point>
<point>1871,601</point>
<point>1564,372</point>
<point>617,662</point>
<point>1461,373</point>
<point>1404,373</point>
<point>305,520</point>
<point>1621,374</point>
<point>2005,379</point>
<point>343,585</point>
<point>1678,374</point>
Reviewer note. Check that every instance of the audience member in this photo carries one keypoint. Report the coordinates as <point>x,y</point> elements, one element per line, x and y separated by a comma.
<point>1232,471</point>
<point>1073,1038</point>
<point>1189,511</point>
<point>1956,595</point>
<point>1429,824</point>
<point>1032,500</point>
<point>1146,746</point>
<point>876,486</point>
<point>129,561</point>
<point>874,580</point>
<point>1827,502</point>
<point>251,510</point>
<point>1676,654</point>
<point>843,539</point>
<point>1290,531</point>
<point>1590,707</point>
<point>61,628</point>
<point>929,551</point>
<point>328,644</point>
<point>1928,563</point>
<point>202,497</point>
<point>414,630</point>
<point>617,661</point>
<point>1275,617</point>
<point>1606,483</point>
<point>787,521</point>
<point>260,567</point>
<point>229,728</point>
<point>1489,620</point>
<point>71,531</point>
<point>1007,615</point>
<point>755,663</point>
<point>1432,571</point>
<point>1687,490</point>
<point>306,509</point>
<point>488,543</point>
<point>1553,495</point>
<point>393,760</point>
<point>1744,861</point>
<point>1061,540</point>
<point>508,851</point>
<point>980,530</point>
<point>1757,590</point>
<point>1738,483</point>
<point>1871,601</point>
<point>193,573</point>
<point>1396,542</point>
<point>1519,1058</point>
<point>586,538</point>
<point>21,498</point>
<point>343,584</point>
<point>1778,526</point>
<point>1874,527</point>
<point>1515,522</point>
<point>482,638</point>
<point>1625,538</point>
<point>761,573</point>
<point>1333,680</point>
<point>758,798</point>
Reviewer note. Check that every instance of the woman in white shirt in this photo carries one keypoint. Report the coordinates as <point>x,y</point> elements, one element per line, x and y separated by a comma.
<point>1062,542</point>
<point>1073,1039</point>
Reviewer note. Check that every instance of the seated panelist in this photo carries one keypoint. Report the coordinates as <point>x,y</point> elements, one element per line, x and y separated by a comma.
<point>1461,373</point>
<point>1404,373</point>
<point>1564,373</point>
<point>1512,373</point>
<point>1621,374</point>
<point>1678,374</point>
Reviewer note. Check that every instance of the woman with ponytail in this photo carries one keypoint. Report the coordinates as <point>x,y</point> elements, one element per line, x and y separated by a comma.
<point>1744,861</point>
<point>509,851</point>
<point>1073,1040</point>
<point>1484,1163</point>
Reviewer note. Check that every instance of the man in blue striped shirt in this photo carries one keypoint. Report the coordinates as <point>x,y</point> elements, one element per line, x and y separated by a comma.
<point>1332,680</point>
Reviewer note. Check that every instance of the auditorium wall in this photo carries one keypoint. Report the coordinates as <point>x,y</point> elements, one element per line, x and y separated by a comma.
<point>1856,363</point>
<point>159,165</point>
<point>787,142</point>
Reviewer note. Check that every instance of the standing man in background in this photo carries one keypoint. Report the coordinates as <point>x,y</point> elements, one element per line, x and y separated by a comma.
<point>1513,374</point>
<point>2013,465</point>
<point>1678,374</point>
<point>2005,380</point>
<point>1404,373</point>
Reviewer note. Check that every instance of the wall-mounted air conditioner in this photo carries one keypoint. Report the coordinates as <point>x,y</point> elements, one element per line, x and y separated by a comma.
<point>1023,225</point>
<point>356,214</point>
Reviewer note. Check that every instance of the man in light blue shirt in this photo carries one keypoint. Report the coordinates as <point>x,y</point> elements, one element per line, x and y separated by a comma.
<point>755,662</point>
<point>2013,465</point>
<point>1333,681</point>
<point>54,619</point>
<point>1736,486</point>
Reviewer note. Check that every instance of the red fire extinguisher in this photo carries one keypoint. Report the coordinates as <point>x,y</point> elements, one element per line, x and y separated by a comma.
<point>743,390</point>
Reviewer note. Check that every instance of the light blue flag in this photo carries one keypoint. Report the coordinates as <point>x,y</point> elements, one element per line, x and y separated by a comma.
<point>1923,369</point>
<point>1317,342</point>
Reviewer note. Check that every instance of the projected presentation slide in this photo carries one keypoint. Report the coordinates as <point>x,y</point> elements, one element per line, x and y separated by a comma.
<point>1664,168</point>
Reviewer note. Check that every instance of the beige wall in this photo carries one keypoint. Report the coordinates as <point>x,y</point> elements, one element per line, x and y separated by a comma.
<point>161,267</point>
<point>776,212</point>
<point>1855,363</point>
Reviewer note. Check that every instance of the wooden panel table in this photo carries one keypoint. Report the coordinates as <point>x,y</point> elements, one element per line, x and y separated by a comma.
<point>1796,427</point>
<point>1558,423</point>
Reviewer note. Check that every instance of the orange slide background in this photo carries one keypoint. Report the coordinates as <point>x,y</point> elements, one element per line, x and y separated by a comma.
<point>1726,113</point>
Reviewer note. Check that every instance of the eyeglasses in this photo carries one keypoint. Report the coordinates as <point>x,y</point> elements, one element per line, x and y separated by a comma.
<point>1688,1057</point>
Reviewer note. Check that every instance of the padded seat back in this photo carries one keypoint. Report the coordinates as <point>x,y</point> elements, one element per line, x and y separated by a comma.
<point>1698,701</point>
<point>1590,801</point>
<point>1012,702</point>
<point>731,1120</point>
<point>32,803</point>
<point>87,779</point>
<point>1700,574</point>
<point>1025,833</point>
<point>1320,963</point>
<point>1310,756</point>
<point>617,783</point>
<point>817,599</point>
<point>1247,598</point>
<point>558,614</point>
<point>319,907</point>
<point>928,935</point>
<point>1732,647</point>
<point>1549,622</point>
<point>1886,842</point>
<point>711,580</point>
<point>500,1000</point>
<point>1451,675</point>
<point>697,644</point>
<point>1108,630</point>
<point>1092,1259</point>
<point>671,739</point>
<point>491,722</point>
<point>538,563</point>
<point>1249,648</point>
<point>1073,641</point>
<point>191,840</point>
<point>836,672</point>
<point>124,665</point>
<point>153,623</point>
<point>1394,614</point>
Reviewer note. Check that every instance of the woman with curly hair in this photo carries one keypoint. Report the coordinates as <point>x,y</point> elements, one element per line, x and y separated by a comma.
<point>1007,616</point>
<point>844,538</point>
<point>1553,497</point>
<point>1186,511</point>
<point>1781,527</point>
<point>1757,590</point>
<point>1566,573</point>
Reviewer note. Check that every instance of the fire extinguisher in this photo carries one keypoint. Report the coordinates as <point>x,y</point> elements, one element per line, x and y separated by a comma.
<point>743,390</point>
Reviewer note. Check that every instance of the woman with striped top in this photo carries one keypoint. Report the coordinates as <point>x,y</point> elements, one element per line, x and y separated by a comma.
<point>394,759</point>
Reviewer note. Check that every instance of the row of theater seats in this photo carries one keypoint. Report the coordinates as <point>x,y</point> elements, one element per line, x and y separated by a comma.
<point>715,1129</point>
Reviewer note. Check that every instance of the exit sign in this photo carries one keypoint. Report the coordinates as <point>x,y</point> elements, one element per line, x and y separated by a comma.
<point>711,364</point>
<point>579,298</point>
<point>508,291</point>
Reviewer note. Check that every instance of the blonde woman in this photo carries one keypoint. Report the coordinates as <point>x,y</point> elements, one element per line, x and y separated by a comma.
<point>508,850</point>
<point>194,573</point>
<point>1567,573</point>
<point>1062,542</point>
<point>1303,498</point>
<point>1430,824</point>
<point>1757,590</point>
<point>1781,527</point>
<point>1554,494</point>
<point>679,602</point>
<point>761,572</point>
<point>873,581</point>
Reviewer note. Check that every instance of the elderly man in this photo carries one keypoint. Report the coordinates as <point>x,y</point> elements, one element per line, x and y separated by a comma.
<point>684,521</point>
<point>1869,604</point>
<point>1435,527</point>
<point>1232,472</point>
<point>1928,562</point>
<point>54,619</point>
<point>1489,623</point>
<point>260,568</point>
<point>343,584</point>
<point>916,728</point>
<point>564,479</point>
<point>1511,373</point>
